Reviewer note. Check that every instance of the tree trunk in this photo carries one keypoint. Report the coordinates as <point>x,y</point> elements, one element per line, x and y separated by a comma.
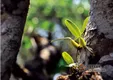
<point>13,17</point>
<point>99,34</point>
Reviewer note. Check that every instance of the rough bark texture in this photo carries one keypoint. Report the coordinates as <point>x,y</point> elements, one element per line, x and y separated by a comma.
<point>99,34</point>
<point>13,16</point>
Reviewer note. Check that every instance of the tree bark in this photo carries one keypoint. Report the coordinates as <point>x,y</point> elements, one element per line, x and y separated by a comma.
<point>13,17</point>
<point>99,34</point>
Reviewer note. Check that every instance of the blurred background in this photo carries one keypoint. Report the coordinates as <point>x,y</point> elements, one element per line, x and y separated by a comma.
<point>38,57</point>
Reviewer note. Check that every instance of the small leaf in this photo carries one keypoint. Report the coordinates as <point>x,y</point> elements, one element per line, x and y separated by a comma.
<point>82,42</point>
<point>68,59</point>
<point>73,28</point>
<point>84,24</point>
<point>75,44</point>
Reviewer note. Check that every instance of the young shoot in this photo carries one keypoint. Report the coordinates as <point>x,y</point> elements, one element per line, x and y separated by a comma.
<point>77,32</point>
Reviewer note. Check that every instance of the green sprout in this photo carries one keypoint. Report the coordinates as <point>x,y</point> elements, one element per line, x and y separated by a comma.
<point>77,32</point>
<point>73,66</point>
<point>68,59</point>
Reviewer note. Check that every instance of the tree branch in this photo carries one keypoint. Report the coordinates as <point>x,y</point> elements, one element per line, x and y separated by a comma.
<point>13,17</point>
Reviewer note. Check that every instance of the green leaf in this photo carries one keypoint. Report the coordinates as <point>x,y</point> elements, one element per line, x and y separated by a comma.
<point>82,42</point>
<point>84,24</point>
<point>75,44</point>
<point>73,28</point>
<point>68,59</point>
